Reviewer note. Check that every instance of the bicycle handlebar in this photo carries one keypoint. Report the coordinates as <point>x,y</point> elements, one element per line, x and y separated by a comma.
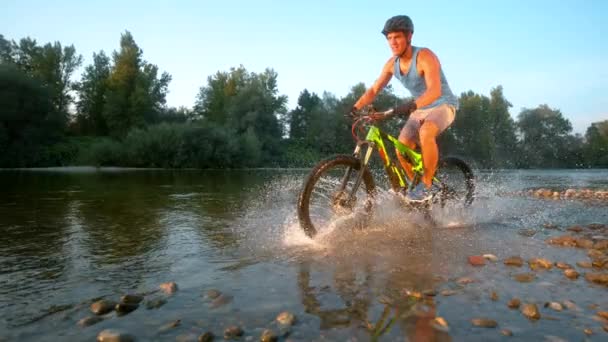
<point>368,116</point>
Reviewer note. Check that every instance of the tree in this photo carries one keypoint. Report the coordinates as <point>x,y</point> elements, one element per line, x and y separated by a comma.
<point>596,147</point>
<point>544,137</point>
<point>92,91</point>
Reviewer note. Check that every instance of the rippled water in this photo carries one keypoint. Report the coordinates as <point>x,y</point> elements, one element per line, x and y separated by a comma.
<point>70,236</point>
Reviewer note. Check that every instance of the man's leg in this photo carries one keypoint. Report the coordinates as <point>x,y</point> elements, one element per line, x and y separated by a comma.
<point>407,137</point>
<point>430,153</point>
<point>435,123</point>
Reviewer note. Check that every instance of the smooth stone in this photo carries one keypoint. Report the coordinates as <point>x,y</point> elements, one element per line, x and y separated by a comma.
<point>601,245</point>
<point>524,277</point>
<point>514,261</point>
<point>563,265</point>
<point>540,263</point>
<point>597,278</point>
<point>526,232</point>
<point>575,229</point>
<point>125,308</point>
<point>564,240</point>
<point>603,314</point>
<point>530,311</point>
<point>168,287</point>
<point>206,337</point>
<point>131,299</point>
<point>221,301</point>
<point>584,243</point>
<point>268,336</point>
<point>233,331</point>
<point>484,323</point>
<point>588,332</point>
<point>476,260</point>
<point>570,305</point>
<point>584,264</point>
<point>88,321</point>
<point>514,303</point>
<point>111,335</point>
<point>170,325</point>
<point>286,318</point>
<point>494,296</point>
<point>595,254</point>
<point>447,293</point>
<point>506,332</point>
<point>571,273</point>
<point>155,303</point>
<point>465,280</point>
<point>490,257</point>
<point>102,307</point>
<point>440,324</point>
<point>213,293</point>
<point>555,306</point>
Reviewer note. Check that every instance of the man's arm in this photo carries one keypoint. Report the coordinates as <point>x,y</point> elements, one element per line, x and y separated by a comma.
<point>369,95</point>
<point>429,65</point>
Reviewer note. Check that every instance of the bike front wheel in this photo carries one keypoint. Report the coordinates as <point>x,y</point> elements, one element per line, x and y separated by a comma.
<point>330,191</point>
<point>456,182</point>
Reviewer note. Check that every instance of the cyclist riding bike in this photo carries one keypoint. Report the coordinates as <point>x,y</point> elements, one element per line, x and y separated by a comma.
<point>430,112</point>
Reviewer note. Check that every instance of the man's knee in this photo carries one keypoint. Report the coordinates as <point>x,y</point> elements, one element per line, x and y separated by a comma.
<point>407,142</point>
<point>428,130</point>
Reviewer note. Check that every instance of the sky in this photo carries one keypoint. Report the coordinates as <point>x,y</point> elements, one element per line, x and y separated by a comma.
<point>541,52</point>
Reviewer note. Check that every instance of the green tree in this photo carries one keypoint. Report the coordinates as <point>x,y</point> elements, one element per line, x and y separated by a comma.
<point>545,137</point>
<point>91,92</point>
<point>596,146</point>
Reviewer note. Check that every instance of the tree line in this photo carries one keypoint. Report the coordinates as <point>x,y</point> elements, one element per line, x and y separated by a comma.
<point>116,114</point>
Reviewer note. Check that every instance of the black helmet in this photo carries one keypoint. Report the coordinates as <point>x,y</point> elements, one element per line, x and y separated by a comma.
<point>397,23</point>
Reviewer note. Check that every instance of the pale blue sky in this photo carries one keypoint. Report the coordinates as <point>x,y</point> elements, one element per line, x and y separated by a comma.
<point>541,52</point>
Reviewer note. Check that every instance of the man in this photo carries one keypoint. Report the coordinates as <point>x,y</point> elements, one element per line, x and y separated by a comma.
<point>430,112</point>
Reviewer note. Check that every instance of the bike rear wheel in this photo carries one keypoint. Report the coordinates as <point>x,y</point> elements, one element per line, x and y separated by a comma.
<point>327,189</point>
<point>456,181</point>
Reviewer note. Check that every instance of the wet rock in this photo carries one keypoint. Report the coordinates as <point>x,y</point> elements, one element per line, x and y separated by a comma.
<point>550,226</point>
<point>131,299</point>
<point>111,335</point>
<point>564,240</point>
<point>286,318</point>
<point>603,314</point>
<point>514,303</point>
<point>584,264</point>
<point>88,321</point>
<point>125,308</point>
<point>514,261</point>
<point>484,323</point>
<point>595,254</point>
<point>186,337</point>
<point>429,293</point>
<point>599,263</point>
<point>465,280</point>
<point>563,265</point>
<point>206,337</point>
<point>571,305</point>
<point>221,301</point>
<point>268,336</point>
<point>494,296</point>
<point>440,324</point>
<point>555,306</point>
<point>536,263</point>
<point>571,273</point>
<point>588,331</point>
<point>575,229</point>
<point>601,245</point>
<point>597,278</point>
<point>102,307</point>
<point>169,326</point>
<point>596,226</point>
<point>506,332</point>
<point>524,277</point>
<point>490,257</point>
<point>447,293</point>
<point>232,332</point>
<point>168,287</point>
<point>530,311</point>
<point>213,293</point>
<point>606,328</point>
<point>584,243</point>
<point>476,260</point>
<point>413,294</point>
<point>551,338</point>
<point>526,232</point>
<point>569,193</point>
<point>155,303</point>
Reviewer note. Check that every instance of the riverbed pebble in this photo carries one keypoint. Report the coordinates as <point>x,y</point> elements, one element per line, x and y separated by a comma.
<point>514,303</point>
<point>516,261</point>
<point>233,332</point>
<point>88,321</point>
<point>168,287</point>
<point>102,307</point>
<point>268,336</point>
<point>111,335</point>
<point>484,322</point>
<point>286,318</point>
<point>530,311</point>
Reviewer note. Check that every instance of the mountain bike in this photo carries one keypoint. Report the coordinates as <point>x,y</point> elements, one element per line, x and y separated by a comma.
<point>343,184</point>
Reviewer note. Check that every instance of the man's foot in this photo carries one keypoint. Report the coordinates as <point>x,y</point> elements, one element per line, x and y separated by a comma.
<point>419,193</point>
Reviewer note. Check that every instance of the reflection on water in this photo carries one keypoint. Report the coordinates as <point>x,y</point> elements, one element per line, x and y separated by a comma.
<point>69,237</point>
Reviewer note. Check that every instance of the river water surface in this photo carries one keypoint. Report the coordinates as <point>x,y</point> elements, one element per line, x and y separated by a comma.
<point>71,236</point>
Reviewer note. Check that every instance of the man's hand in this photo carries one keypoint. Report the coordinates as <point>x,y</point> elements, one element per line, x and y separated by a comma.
<point>406,109</point>
<point>352,113</point>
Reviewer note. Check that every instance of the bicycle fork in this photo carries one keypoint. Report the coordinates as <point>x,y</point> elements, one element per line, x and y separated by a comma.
<point>351,197</point>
